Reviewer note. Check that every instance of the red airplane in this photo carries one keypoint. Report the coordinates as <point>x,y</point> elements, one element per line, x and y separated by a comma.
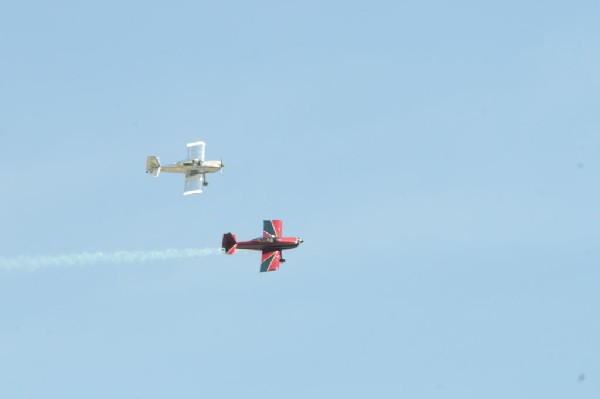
<point>271,244</point>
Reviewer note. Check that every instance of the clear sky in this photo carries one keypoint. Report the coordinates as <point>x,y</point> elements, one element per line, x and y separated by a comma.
<point>440,159</point>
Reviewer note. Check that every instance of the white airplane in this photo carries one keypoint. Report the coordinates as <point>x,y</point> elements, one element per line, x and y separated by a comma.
<point>194,167</point>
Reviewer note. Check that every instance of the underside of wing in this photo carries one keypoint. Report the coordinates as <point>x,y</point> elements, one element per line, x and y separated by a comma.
<point>196,150</point>
<point>272,228</point>
<point>270,261</point>
<point>193,183</point>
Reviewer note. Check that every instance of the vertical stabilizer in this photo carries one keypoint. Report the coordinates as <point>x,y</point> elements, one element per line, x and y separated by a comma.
<point>153,165</point>
<point>229,243</point>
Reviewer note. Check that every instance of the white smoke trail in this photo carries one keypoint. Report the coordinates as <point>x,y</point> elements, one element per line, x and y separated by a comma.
<point>88,258</point>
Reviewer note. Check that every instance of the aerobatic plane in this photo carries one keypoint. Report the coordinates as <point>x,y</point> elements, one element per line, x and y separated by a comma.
<point>271,244</point>
<point>194,167</point>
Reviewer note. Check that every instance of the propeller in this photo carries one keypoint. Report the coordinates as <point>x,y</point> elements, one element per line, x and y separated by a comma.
<point>222,165</point>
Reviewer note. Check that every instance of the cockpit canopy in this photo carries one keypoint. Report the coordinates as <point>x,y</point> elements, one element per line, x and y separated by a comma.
<point>266,239</point>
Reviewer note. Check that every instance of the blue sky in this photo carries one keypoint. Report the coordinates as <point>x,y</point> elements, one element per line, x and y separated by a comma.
<point>440,160</point>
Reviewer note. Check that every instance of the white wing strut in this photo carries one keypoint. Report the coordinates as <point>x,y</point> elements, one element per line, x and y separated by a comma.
<point>196,150</point>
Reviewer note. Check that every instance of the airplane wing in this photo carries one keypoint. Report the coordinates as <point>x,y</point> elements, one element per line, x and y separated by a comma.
<point>196,150</point>
<point>270,261</point>
<point>272,228</point>
<point>193,182</point>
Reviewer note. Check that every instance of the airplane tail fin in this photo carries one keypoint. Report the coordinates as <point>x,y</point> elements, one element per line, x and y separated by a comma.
<point>153,165</point>
<point>229,244</point>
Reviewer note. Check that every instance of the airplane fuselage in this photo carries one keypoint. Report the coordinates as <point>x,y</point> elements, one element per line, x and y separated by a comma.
<point>270,243</point>
<point>193,165</point>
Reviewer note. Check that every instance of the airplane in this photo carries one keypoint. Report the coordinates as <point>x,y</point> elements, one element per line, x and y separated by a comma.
<point>194,167</point>
<point>271,244</point>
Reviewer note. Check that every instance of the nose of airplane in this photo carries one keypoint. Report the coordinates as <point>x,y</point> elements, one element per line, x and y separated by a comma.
<point>300,240</point>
